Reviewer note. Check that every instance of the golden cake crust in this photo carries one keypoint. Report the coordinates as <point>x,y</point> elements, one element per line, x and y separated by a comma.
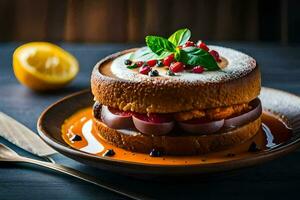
<point>166,95</point>
<point>178,145</point>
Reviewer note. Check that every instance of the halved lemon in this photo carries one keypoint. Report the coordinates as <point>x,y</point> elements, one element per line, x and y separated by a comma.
<point>44,66</point>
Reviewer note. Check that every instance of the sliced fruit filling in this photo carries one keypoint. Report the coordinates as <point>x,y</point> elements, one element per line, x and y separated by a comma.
<point>214,113</point>
<point>196,121</point>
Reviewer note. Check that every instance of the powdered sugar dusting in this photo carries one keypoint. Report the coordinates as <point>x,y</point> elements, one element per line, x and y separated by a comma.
<point>239,64</point>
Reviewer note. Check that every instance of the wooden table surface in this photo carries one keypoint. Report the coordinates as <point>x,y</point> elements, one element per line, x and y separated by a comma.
<point>280,66</point>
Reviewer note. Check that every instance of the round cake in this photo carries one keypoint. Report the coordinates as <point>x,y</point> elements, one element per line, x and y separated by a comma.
<point>191,99</point>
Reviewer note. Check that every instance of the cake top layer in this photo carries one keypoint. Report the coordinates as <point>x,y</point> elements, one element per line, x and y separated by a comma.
<point>234,65</point>
<point>175,74</point>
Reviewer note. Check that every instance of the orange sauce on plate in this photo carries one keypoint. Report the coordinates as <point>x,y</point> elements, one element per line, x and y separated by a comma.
<point>273,132</point>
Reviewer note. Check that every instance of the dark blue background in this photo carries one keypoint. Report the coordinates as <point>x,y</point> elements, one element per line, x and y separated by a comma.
<point>280,66</point>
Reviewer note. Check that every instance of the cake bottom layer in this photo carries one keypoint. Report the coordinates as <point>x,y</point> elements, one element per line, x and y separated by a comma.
<point>179,144</point>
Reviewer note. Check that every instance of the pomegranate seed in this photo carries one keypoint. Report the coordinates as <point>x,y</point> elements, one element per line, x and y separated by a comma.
<point>198,69</point>
<point>168,60</point>
<point>216,55</point>
<point>152,63</point>
<point>177,67</point>
<point>145,70</point>
<point>189,44</point>
<point>140,63</point>
<point>202,45</point>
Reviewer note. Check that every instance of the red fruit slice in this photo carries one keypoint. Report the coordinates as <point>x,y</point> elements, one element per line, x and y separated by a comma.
<point>202,45</point>
<point>177,67</point>
<point>140,63</point>
<point>152,63</point>
<point>198,69</point>
<point>189,44</point>
<point>155,118</point>
<point>153,125</point>
<point>115,118</point>
<point>216,55</point>
<point>247,117</point>
<point>145,70</point>
<point>168,60</point>
<point>200,127</point>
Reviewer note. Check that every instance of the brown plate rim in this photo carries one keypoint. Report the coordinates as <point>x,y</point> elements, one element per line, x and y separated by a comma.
<point>226,165</point>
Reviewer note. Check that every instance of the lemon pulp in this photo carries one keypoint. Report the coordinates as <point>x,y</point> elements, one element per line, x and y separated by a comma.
<point>43,66</point>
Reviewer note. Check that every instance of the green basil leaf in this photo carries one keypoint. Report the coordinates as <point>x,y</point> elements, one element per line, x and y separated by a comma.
<point>145,54</point>
<point>159,45</point>
<point>132,66</point>
<point>195,56</point>
<point>180,37</point>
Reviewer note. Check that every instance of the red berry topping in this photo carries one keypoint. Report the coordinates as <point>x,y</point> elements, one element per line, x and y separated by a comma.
<point>152,63</point>
<point>198,69</point>
<point>140,63</point>
<point>168,60</point>
<point>189,44</point>
<point>145,70</point>
<point>216,55</point>
<point>202,45</point>
<point>177,67</point>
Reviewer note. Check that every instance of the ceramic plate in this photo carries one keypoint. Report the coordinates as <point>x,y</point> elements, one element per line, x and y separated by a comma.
<point>282,103</point>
